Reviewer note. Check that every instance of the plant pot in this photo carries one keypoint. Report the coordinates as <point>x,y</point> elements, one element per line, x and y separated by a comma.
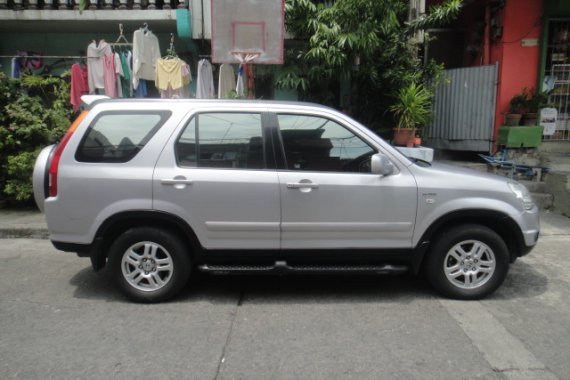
<point>530,119</point>
<point>513,119</point>
<point>403,135</point>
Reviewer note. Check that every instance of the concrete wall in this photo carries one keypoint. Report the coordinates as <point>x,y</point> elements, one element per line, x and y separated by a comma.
<point>518,64</point>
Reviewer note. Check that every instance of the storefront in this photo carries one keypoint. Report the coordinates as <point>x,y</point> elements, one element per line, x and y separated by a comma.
<point>554,70</point>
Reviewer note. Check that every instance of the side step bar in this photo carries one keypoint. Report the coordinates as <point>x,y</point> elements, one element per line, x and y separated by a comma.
<point>281,267</point>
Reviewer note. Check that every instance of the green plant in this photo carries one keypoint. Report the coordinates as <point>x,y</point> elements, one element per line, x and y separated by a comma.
<point>34,112</point>
<point>413,106</point>
<point>536,101</point>
<point>519,102</point>
<point>367,46</point>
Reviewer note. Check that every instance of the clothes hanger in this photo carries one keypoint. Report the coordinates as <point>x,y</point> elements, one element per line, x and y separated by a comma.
<point>122,38</point>
<point>171,53</point>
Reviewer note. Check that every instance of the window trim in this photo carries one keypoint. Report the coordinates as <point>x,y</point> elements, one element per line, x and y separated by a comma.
<point>264,137</point>
<point>280,146</point>
<point>164,116</point>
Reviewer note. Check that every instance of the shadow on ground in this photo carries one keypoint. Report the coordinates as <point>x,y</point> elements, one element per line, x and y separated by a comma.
<point>522,282</point>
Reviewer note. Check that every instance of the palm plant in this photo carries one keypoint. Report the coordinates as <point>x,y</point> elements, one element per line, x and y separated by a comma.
<point>413,106</point>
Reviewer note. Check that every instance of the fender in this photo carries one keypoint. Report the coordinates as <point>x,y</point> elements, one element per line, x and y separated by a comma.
<point>501,223</point>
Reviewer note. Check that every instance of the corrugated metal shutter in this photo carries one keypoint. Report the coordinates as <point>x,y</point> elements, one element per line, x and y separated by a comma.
<point>465,110</point>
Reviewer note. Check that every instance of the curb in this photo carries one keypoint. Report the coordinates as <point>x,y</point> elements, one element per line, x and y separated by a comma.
<point>24,233</point>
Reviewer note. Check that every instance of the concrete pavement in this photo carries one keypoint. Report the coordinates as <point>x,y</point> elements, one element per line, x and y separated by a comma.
<point>59,320</point>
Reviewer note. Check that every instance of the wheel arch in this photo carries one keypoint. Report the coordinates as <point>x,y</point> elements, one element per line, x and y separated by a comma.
<point>117,224</point>
<point>501,223</point>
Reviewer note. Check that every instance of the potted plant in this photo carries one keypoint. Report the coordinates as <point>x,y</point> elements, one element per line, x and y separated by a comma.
<point>517,106</point>
<point>412,110</point>
<point>536,100</point>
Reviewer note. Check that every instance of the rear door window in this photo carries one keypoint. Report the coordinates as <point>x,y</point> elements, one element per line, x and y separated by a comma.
<point>222,140</point>
<point>119,136</point>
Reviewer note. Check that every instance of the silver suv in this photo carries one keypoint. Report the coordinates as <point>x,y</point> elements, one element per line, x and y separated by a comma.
<point>157,189</point>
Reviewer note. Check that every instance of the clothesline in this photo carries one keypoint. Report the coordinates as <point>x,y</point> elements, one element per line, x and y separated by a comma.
<point>47,56</point>
<point>57,56</point>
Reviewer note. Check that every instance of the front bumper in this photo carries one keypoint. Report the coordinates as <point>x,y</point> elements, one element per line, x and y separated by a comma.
<point>529,223</point>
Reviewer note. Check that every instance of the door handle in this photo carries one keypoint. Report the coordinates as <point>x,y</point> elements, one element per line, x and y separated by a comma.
<point>176,181</point>
<point>302,185</point>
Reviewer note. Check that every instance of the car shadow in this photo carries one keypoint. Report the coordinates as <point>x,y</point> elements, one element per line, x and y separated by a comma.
<point>523,281</point>
<point>269,288</point>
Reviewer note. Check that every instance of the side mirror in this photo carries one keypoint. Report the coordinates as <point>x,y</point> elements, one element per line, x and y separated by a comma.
<point>380,164</point>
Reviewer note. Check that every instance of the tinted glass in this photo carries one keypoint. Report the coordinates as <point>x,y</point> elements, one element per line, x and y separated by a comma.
<point>317,144</point>
<point>222,140</point>
<point>118,137</point>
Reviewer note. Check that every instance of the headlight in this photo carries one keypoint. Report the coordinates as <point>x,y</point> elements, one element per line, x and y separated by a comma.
<point>521,193</point>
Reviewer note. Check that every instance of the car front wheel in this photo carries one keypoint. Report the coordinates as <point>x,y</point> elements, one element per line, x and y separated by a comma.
<point>149,264</point>
<point>467,262</point>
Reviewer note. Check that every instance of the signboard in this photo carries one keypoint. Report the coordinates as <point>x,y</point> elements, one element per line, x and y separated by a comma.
<point>548,118</point>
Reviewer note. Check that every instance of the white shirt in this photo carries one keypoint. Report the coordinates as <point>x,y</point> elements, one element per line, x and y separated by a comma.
<point>95,69</point>
<point>227,81</point>
<point>205,81</point>
<point>146,51</point>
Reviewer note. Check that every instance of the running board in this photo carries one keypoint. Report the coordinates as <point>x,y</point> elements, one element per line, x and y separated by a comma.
<point>281,267</point>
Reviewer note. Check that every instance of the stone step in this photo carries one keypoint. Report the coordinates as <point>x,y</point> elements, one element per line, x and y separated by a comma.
<point>535,186</point>
<point>559,186</point>
<point>544,201</point>
<point>480,166</point>
<point>556,162</point>
<point>554,147</point>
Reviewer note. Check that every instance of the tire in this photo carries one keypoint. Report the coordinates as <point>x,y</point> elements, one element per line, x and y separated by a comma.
<point>149,264</point>
<point>467,262</point>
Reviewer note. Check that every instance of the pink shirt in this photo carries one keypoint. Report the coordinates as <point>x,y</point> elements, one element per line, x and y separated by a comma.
<point>109,75</point>
<point>79,85</point>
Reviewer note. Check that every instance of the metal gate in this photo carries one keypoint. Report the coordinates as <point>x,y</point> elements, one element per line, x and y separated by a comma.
<point>465,110</point>
<point>559,98</point>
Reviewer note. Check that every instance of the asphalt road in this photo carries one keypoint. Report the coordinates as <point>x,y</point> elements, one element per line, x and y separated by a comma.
<point>59,320</point>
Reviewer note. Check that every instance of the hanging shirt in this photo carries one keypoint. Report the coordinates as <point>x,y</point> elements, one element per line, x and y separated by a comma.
<point>109,75</point>
<point>249,74</point>
<point>240,86</point>
<point>227,81</point>
<point>119,74</point>
<point>95,54</point>
<point>146,51</point>
<point>79,85</point>
<point>15,72</point>
<point>205,81</point>
<point>126,83</point>
<point>141,91</point>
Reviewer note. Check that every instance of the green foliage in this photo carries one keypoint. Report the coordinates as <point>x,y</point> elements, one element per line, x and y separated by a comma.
<point>528,101</point>
<point>34,112</point>
<point>537,100</point>
<point>366,41</point>
<point>413,106</point>
<point>518,102</point>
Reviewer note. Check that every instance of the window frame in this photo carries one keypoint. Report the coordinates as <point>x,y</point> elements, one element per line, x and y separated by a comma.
<point>165,115</point>
<point>280,146</point>
<point>268,152</point>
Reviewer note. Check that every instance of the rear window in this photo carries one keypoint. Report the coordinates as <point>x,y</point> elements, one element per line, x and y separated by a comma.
<point>119,136</point>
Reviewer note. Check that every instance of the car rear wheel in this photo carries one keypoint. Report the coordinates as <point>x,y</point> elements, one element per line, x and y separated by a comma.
<point>467,262</point>
<point>149,264</point>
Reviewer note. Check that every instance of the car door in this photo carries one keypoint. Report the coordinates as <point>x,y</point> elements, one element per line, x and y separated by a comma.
<point>215,174</point>
<point>329,197</point>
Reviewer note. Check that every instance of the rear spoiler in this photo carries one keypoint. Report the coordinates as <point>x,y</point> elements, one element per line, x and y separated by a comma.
<point>90,100</point>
